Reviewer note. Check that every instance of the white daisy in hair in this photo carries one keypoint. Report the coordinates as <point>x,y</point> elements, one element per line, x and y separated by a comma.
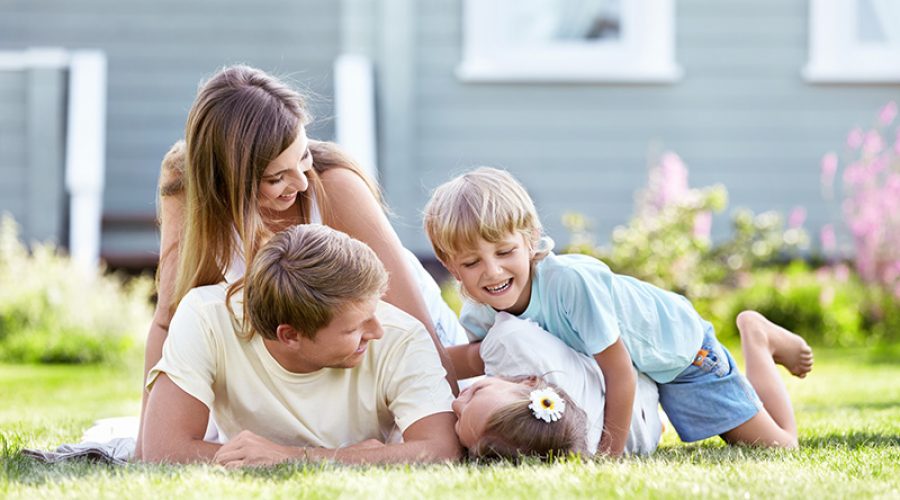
<point>546,405</point>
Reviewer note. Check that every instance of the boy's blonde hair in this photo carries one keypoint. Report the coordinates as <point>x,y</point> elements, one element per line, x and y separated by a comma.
<point>485,203</point>
<point>514,431</point>
<point>304,276</point>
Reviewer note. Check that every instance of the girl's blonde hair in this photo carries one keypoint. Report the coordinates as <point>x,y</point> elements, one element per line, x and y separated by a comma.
<point>241,120</point>
<point>304,276</point>
<point>514,431</point>
<point>485,203</point>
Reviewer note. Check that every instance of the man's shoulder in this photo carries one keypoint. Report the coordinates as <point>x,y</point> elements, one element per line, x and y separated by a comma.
<point>206,304</point>
<point>397,321</point>
<point>210,294</point>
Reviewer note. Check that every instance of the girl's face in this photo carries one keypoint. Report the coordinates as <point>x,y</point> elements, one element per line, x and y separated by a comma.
<point>285,176</point>
<point>476,404</point>
<point>497,274</point>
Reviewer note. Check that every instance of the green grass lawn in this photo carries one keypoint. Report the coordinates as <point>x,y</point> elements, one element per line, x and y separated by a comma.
<point>848,411</point>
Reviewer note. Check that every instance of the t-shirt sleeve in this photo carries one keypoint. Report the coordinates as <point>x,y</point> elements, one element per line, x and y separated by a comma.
<point>477,319</point>
<point>586,300</point>
<point>416,387</point>
<point>189,352</point>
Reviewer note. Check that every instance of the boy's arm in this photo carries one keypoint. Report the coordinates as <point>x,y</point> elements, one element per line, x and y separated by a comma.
<point>174,425</point>
<point>615,363</point>
<point>430,439</point>
<point>467,360</point>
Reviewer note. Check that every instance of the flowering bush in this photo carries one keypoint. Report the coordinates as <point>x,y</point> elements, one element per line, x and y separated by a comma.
<point>870,184</point>
<point>53,311</point>
<point>668,240</point>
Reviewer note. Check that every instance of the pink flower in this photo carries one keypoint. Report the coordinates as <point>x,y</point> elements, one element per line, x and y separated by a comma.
<point>841,273</point>
<point>829,167</point>
<point>855,138</point>
<point>828,239</point>
<point>672,180</point>
<point>888,113</point>
<point>873,143</point>
<point>826,297</point>
<point>702,225</point>
<point>797,217</point>
<point>854,174</point>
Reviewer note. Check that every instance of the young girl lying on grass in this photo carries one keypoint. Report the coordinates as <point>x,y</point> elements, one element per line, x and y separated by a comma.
<point>485,230</point>
<point>558,411</point>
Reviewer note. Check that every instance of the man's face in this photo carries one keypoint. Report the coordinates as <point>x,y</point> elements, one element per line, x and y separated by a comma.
<point>343,342</point>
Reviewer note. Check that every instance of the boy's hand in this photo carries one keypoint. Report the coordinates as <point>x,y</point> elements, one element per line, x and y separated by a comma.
<point>615,363</point>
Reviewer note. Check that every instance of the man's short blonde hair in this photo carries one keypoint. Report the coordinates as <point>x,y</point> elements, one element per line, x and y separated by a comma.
<point>485,203</point>
<point>305,276</point>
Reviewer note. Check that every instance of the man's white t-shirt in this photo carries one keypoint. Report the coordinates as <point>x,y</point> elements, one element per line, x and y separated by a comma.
<point>399,381</point>
<point>515,347</point>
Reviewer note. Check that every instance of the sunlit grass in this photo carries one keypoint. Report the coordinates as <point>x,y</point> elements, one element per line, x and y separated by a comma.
<point>848,411</point>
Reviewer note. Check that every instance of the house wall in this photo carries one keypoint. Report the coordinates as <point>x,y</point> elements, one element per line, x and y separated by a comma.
<point>32,104</point>
<point>157,53</point>
<point>742,116</point>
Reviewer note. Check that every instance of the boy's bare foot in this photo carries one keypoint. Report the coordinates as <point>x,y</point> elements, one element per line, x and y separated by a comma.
<point>788,349</point>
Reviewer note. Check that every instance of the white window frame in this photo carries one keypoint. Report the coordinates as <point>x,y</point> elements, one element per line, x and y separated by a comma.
<point>646,53</point>
<point>836,56</point>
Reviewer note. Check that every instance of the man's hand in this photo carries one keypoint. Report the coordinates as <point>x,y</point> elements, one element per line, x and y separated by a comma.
<point>250,449</point>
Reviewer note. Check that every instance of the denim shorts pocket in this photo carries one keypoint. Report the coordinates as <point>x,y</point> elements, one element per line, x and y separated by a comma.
<point>715,362</point>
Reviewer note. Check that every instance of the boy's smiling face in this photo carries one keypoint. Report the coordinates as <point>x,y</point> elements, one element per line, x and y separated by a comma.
<point>497,274</point>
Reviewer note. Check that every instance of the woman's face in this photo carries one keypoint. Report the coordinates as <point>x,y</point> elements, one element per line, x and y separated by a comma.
<point>475,406</point>
<point>285,176</point>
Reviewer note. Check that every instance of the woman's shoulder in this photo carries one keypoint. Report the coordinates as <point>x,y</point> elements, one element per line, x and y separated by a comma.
<point>172,170</point>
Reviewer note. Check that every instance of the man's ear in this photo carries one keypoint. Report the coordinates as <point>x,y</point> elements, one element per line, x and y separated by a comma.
<point>287,334</point>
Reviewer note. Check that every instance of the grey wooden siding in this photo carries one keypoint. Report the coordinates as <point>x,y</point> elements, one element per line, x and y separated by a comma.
<point>32,104</point>
<point>742,116</point>
<point>13,138</point>
<point>157,54</point>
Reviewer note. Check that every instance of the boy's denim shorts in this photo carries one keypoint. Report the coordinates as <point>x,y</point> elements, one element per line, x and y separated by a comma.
<point>710,397</point>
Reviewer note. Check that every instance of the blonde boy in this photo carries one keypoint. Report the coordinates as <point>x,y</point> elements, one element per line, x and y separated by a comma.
<point>485,230</point>
<point>321,369</point>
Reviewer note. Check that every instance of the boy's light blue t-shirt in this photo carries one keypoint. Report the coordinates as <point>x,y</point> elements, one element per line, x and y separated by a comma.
<point>580,300</point>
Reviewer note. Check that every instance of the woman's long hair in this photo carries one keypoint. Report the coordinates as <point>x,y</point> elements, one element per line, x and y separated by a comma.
<point>241,120</point>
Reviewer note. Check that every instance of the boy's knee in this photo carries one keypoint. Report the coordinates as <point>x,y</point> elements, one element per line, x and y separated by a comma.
<point>746,320</point>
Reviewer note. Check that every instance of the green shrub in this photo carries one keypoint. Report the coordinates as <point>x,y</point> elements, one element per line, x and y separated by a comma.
<point>822,306</point>
<point>668,240</point>
<point>53,311</point>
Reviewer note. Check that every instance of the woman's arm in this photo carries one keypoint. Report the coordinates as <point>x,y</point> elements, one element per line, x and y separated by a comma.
<point>355,211</point>
<point>171,221</point>
<point>467,360</point>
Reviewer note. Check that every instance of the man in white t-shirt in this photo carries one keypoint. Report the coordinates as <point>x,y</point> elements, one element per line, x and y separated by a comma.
<point>319,370</point>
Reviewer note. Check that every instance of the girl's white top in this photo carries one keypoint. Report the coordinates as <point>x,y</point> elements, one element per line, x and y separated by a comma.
<point>517,347</point>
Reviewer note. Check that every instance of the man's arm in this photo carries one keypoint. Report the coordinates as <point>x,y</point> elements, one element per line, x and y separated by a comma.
<point>429,439</point>
<point>615,363</point>
<point>174,425</point>
<point>467,360</point>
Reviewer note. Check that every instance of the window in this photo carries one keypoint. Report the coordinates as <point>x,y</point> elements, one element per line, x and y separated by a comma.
<point>569,41</point>
<point>854,41</point>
